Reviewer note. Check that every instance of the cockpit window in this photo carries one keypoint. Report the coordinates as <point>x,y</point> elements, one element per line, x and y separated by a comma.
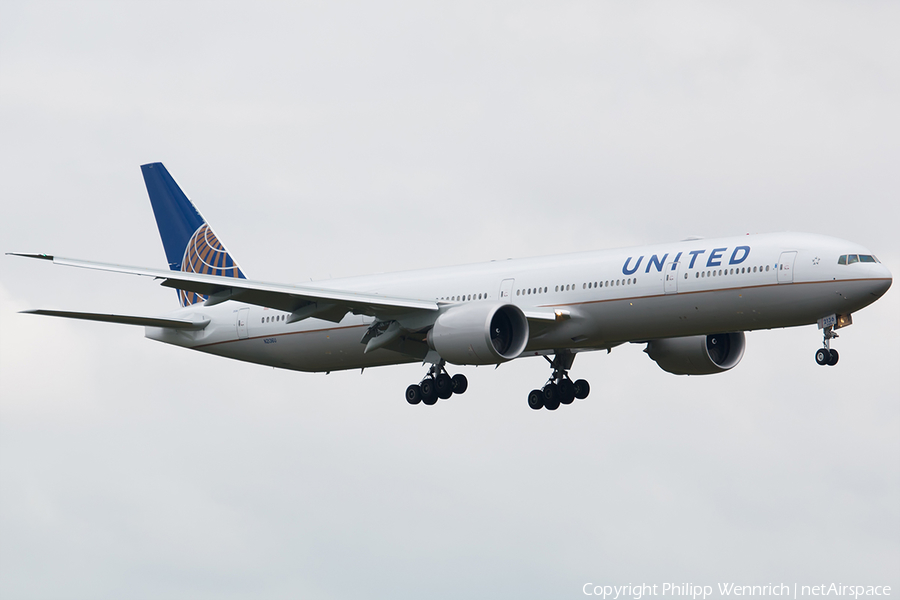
<point>849,259</point>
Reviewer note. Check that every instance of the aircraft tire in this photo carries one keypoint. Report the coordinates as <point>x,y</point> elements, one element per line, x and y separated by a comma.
<point>535,400</point>
<point>566,391</point>
<point>823,356</point>
<point>551,396</point>
<point>429,393</point>
<point>582,389</point>
<point>833,359</point>
<point>460,383</point>
<point>443,385</point>
<point>414,394</point>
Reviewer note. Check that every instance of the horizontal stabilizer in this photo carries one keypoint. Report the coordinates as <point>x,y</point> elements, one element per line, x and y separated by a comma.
<point>123,319</point>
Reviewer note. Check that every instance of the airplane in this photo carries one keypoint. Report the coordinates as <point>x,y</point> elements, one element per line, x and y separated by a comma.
<point>690,302</point>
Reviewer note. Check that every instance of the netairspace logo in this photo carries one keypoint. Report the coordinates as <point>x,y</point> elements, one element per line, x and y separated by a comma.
<point>696,592</point>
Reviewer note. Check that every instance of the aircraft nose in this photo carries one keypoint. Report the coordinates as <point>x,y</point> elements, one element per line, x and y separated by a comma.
<point>883,284</point>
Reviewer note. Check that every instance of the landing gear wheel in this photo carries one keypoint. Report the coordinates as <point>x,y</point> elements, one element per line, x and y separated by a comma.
<point>566,391</point>
<point>443,385</point>
<point>414,394</point>
<point>823,356</point>
<point>460,383</point>
<point>833,359</point>
<point>429,393</point>
<point>536,399</point>
<point>551,396</point>
<point>582,389</point>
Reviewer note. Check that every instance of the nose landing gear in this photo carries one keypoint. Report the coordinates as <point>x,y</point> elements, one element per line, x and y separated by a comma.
<point>436,384</point>
<point>827,356</point>
<point>559,389</point>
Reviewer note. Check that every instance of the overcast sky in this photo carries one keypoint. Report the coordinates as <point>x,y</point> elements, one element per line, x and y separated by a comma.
<point>331,139</point>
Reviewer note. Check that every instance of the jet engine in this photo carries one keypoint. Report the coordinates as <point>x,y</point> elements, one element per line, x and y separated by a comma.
<point>698,354</point>
<point>479,333</point>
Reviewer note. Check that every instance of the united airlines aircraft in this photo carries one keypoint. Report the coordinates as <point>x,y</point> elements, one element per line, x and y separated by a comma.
<point>690,302</point>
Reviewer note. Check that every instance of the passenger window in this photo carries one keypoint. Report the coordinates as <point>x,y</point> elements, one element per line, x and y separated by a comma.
<point>685,275</point>
<point>767,268</point>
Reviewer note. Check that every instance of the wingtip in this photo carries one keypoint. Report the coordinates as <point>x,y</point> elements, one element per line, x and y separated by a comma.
<point>31,255</point>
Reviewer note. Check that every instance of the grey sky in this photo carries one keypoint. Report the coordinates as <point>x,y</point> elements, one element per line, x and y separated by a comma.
<point>331,139</point>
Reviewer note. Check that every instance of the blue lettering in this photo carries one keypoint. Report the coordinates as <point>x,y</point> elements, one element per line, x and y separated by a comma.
<point>694,254</point>
<point>659,262</point>
<point>675,262</point>
<point>632,271</point>
<point>715,255</point>
<point>735,260</point>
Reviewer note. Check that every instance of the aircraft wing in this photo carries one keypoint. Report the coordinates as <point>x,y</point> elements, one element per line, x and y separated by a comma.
<point>301,301</point>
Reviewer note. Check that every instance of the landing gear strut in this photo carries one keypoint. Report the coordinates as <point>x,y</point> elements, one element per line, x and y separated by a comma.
<point>436,384</point>
<point>827,355</point>
<point>559,389</point>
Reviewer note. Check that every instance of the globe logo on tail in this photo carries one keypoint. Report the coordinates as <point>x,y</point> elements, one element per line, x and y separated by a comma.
<point>205,254</point>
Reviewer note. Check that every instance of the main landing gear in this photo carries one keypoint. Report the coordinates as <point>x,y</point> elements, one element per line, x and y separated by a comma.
<point>827,355</point>
<point>559,389</point>
<point>436,384</point>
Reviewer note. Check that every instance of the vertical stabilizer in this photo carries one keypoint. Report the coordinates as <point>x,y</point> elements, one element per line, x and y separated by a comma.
<point>190,244</point>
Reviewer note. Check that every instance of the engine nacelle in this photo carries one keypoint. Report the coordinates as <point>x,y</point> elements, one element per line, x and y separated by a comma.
<point>479,333</point>
<point>698,354</point>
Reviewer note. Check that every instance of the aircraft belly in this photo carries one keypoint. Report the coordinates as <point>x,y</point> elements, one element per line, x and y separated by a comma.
<point>331,349</point>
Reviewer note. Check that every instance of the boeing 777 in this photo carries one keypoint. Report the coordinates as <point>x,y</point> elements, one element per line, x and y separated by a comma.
<point>690,302</point>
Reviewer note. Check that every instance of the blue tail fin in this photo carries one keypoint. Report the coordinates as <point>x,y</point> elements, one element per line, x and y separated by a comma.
<point>190,243</point>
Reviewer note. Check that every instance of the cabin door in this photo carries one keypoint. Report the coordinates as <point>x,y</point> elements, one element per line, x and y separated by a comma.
<point>241,321</point>
<point>670,272</point>
<point>506,287</point>
<point>786,267</point>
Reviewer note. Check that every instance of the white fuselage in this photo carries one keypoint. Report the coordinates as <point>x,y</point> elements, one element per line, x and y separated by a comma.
<point>608,297</point>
